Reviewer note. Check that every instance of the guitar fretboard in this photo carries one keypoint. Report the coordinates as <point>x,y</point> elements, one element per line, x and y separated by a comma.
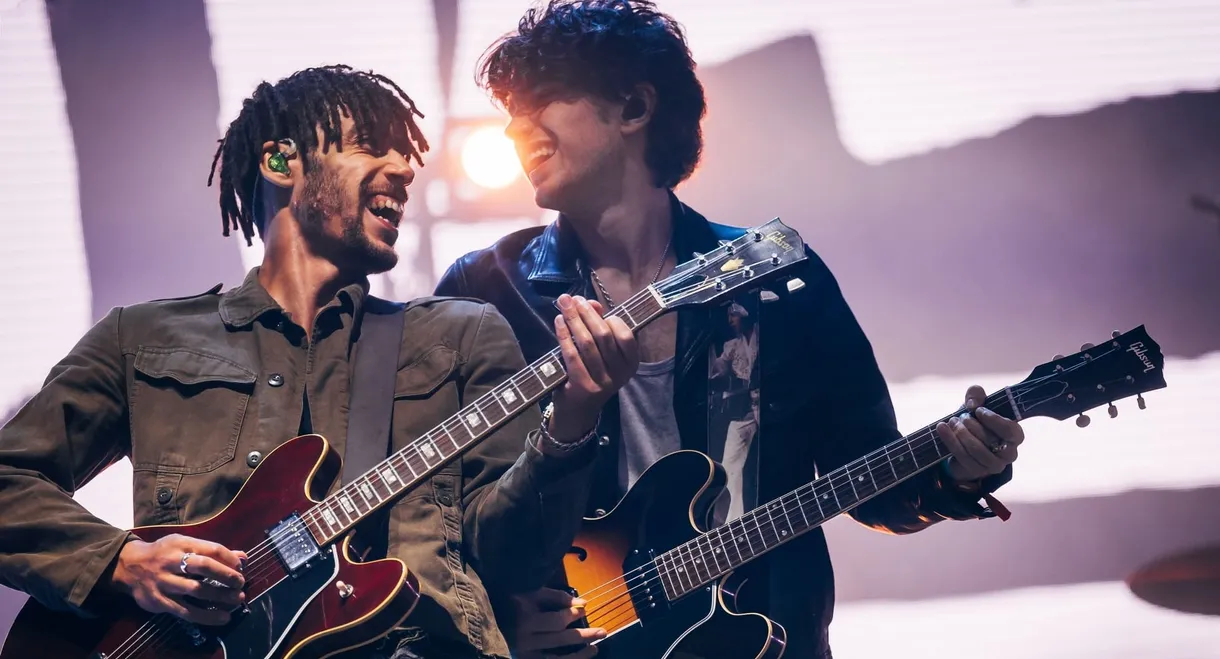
<point>711,555</point>
<point>342,510</point>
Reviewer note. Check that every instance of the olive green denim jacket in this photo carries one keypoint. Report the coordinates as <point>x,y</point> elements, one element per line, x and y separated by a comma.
<point>195,390</point>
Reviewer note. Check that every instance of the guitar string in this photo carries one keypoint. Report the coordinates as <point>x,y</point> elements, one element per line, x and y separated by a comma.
<point>840,483</point>
<point>645,295</point>
<point>1019,392</point>
<point>924,436</point>
<point>621,602</point>
<point>620,594</point>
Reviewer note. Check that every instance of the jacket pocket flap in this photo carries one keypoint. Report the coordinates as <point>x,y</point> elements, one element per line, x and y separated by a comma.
<point>426,374</point>
<point>191,367</point>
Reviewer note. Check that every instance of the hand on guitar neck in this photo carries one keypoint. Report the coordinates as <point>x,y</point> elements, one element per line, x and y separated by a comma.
<point>983,443</point>
<point>600,354</point>
<point>196,580</point>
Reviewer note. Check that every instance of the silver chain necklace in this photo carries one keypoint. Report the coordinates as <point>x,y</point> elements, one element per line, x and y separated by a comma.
<point>660,266</point>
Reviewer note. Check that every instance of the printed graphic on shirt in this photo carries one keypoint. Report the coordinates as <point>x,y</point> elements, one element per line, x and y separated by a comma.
<point>733,405</point>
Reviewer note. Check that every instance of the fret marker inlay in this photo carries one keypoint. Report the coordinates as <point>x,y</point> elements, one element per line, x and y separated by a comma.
<point>473,420</point>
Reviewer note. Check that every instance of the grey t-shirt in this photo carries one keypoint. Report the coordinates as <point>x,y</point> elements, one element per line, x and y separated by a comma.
<point>648,424</point>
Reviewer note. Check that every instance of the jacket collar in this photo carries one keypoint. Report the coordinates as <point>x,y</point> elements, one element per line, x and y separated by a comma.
<point>557,255</point>
<point>245,304</point>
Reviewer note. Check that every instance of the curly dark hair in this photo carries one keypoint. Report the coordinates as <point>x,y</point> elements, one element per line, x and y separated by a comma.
<point>296,107</point>
<point>606,48</point>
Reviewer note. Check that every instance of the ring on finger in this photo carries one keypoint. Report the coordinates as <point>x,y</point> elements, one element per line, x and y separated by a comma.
<point>182,563</point>
<point>998,448</point>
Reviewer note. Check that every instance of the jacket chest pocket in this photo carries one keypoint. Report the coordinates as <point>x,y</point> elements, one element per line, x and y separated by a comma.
<point>187,408</point>
<point>424,396</point>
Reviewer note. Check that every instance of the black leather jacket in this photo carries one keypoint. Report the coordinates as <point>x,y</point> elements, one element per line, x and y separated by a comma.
<point>824,401</point>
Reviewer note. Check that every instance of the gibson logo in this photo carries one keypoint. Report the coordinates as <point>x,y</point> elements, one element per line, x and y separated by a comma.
<point>778,238</point>
<point>1138,349</point>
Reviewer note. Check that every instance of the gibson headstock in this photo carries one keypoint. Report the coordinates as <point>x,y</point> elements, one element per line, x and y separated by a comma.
<point>761,254</point>
<point>1126,365</point>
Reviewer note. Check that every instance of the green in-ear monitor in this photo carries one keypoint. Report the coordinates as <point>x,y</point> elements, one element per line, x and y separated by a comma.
<point>278,162</point>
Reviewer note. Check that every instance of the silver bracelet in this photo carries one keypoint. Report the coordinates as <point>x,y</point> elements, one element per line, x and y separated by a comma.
<point>566,447</point>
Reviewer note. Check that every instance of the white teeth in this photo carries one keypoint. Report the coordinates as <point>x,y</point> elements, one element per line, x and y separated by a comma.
<point>541,152</point>
<point>386,202</point>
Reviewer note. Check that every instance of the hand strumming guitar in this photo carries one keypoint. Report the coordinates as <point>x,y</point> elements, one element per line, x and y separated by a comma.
<point>196,580</point>
<point>542,620</point>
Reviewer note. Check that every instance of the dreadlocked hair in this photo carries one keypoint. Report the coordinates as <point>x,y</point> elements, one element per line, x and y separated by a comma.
<point>297,107</point>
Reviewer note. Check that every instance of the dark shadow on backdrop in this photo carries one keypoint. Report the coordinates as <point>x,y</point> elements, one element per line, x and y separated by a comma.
<point>151,225</point>
<point>1069,541</point>
<point>987,256</point>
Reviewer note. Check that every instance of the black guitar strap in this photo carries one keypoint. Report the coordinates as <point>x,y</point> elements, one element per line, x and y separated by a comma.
<point>373,378</point>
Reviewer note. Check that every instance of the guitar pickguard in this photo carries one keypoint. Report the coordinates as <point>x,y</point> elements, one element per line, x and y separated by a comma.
<point>259,633</point>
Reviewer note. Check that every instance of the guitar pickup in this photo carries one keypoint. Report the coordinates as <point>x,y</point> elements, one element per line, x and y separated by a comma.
<point>294,544</point>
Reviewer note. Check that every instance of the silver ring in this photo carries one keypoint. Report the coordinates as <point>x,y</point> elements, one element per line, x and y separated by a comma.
<point>997,449</point>
<point>182,564</point>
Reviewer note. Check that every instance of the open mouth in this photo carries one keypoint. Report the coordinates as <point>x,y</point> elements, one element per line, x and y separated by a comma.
<point>386,208</point>
<point>538,156</point>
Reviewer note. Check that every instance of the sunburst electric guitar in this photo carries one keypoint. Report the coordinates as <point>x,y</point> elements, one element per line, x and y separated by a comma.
<point>660,583</point>
<point>306,595</point>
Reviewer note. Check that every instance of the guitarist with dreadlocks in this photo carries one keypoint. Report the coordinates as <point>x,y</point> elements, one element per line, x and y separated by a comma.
<point>195,391</point>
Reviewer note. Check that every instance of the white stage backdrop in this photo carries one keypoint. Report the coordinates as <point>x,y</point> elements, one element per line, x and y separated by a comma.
<point>905,78</point>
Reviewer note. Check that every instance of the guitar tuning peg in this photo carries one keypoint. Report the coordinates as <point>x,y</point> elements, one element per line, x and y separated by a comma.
<point>1139,400</point>
<point>1086,346</point>
<point>1082,420</point>
<point>1113,411</point>
<point>1115,334</point>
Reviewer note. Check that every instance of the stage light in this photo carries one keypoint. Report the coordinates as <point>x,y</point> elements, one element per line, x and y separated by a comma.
<point>488,158</point>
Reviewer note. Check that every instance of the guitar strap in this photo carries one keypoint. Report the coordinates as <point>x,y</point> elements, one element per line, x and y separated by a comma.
<point>373,378</point>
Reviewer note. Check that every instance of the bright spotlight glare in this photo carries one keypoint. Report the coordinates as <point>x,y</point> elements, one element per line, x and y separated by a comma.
<point>489,159</point>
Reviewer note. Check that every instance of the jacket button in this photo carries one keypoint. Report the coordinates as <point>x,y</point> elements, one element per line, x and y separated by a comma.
<point>164,495</point>
<point>604,440</point>
<point>600,512</point>
<point>253,458</point>
<point>444,499</point>
<point>275,380</point>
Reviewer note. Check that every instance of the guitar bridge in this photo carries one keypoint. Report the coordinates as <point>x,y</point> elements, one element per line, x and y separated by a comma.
<point>294,544</point>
